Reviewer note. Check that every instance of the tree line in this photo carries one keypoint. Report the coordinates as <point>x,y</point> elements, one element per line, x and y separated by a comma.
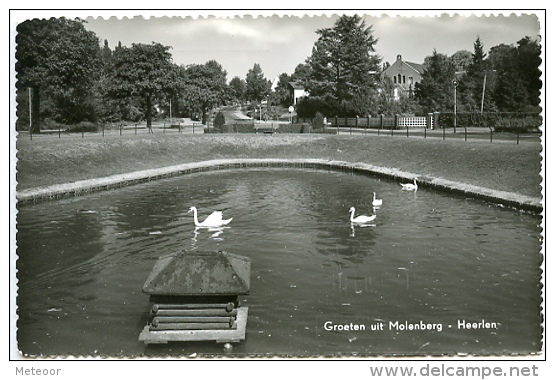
<point>66,75</point>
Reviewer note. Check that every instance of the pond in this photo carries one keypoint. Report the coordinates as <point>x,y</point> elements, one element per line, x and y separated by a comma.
<point>433,273</point>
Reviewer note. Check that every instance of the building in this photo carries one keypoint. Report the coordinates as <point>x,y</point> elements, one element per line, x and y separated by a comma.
<point>297,91</point>
<point>404,76</point>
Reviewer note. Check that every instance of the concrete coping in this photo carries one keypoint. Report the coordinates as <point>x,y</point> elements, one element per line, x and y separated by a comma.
<point>121,180</point>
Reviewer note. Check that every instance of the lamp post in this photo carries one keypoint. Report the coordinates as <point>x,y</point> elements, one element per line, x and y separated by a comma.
<point>455,83</point>
<point>30,112</point>
<point>484,90</point>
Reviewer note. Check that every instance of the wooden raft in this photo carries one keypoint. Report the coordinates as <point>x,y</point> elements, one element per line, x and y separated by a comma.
<point>220,322</point>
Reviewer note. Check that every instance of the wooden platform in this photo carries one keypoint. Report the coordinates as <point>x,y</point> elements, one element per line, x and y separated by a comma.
<point>170,325</point>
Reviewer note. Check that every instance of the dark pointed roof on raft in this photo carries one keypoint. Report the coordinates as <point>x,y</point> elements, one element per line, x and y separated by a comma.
<point>199,273</point>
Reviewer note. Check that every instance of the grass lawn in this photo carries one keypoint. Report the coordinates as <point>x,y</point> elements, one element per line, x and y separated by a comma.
<point>506,166</point>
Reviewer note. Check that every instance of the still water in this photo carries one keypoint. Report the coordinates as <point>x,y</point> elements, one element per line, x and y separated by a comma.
<point>411,282</point>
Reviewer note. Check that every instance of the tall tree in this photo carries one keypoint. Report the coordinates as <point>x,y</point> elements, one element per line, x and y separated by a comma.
<point>205,87</point>
<point>57,59</point>
<point>237,89</point>
<point>257,86</point>
<point>518,76</point>
<point>436,92</point>
<point>461,59</point>
<point>472,91</point>
<point>302,73</point>
<point>282,93</point>
<point>144,71</point>
<point>342,62</point>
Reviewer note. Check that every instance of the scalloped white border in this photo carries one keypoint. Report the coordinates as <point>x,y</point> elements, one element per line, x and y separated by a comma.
<point>250,8</point>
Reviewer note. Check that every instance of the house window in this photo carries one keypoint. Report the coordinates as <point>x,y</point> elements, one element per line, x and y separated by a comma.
<point>394,79</point>
<point>404,79</point>
<point>411,80</point>
<point>399,79</point>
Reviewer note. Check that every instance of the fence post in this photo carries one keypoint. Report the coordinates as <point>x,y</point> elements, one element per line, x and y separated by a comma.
<point>135,128</point>
<point>59,131</point>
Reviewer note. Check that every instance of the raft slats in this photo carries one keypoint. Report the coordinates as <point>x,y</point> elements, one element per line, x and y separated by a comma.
<point>228,306</point>
<point>158,320</point>
<point>223,335</point>
<point>196,313</point>
<point>192,326</point>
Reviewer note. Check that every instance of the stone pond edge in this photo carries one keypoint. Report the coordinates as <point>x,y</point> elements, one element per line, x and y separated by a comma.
<point>77,188</point>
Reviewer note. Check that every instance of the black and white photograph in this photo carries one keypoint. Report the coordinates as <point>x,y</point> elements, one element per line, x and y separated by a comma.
<point>278,184</point>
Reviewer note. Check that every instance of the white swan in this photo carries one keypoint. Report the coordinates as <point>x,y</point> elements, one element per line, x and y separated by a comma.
<point>361,219</point>
<point>213,220</point>
<point>410,186</point>
<point>376,202</point>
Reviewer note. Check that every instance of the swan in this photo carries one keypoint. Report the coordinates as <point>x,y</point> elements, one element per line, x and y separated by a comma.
<point>213,220</point>
<point>410,186</point>
<point>376,202</point>
<point>361,219</point>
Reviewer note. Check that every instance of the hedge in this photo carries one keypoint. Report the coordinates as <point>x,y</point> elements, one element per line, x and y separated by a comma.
<point>498,121</point>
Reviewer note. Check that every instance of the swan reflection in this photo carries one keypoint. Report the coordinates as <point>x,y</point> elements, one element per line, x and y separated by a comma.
<point>214,232</point>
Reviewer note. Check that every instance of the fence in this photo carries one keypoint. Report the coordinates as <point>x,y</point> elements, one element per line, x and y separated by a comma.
<point>413,122</point>
<point>385,122</point>
<point>508,126</point>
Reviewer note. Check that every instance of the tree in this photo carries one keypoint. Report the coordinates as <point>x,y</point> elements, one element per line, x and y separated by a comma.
<point>282,94</point>
<point>302,73</point>
<point>205,87</point>
<point>57,59</point>
<point>257,86</point>
<point>143,71</point>
<point>384,102</point>
<point>435,91</point>
<point>517,77</point>
<point>528,65</point>
<point>461,60</point>
<point>342,65</point>
<point>470,90</point>
<point>219,121</point>
<point>237,89</point>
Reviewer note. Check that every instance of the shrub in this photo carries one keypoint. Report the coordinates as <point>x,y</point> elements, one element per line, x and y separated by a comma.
<point>318,121</point>
<point>219,120</point>
<point>84,126</point>
<point>500,121</point>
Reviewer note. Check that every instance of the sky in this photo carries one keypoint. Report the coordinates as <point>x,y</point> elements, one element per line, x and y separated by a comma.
<point>239,39</point>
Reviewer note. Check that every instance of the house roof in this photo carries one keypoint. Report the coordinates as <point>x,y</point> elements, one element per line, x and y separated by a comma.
<point>399,64</point>
<point>416,66</point>
<point>296,85</point>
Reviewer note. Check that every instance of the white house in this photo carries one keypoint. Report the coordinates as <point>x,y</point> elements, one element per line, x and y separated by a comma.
<point>297,91</point>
